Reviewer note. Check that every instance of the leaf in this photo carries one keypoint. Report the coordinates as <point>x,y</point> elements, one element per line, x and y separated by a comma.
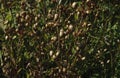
<point>76,16</point>
<point>1,56</point>
<point>1,32</point>
<point>91,50</point>
<point>14,37</point>
<point>9,16</point>
<point>28,75</point>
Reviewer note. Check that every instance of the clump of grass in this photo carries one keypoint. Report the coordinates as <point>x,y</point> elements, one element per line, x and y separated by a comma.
<point>59,38</point>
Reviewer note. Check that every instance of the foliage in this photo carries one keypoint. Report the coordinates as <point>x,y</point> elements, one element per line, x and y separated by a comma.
<point>60,38</point>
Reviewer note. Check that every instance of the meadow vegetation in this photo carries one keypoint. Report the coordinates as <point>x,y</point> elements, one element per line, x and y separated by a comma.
<point>59,38</point>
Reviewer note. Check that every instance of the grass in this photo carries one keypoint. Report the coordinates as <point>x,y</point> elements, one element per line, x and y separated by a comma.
<point>47,39</point>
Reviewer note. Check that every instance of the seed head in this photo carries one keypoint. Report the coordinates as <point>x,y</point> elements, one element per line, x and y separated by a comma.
<point>61,33</point>
<point>70,27</point>
<point>51,53</point>
<point>83,58</point>
<point>54,38</point>
<point>74,4</point>
<point>55,17</point>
